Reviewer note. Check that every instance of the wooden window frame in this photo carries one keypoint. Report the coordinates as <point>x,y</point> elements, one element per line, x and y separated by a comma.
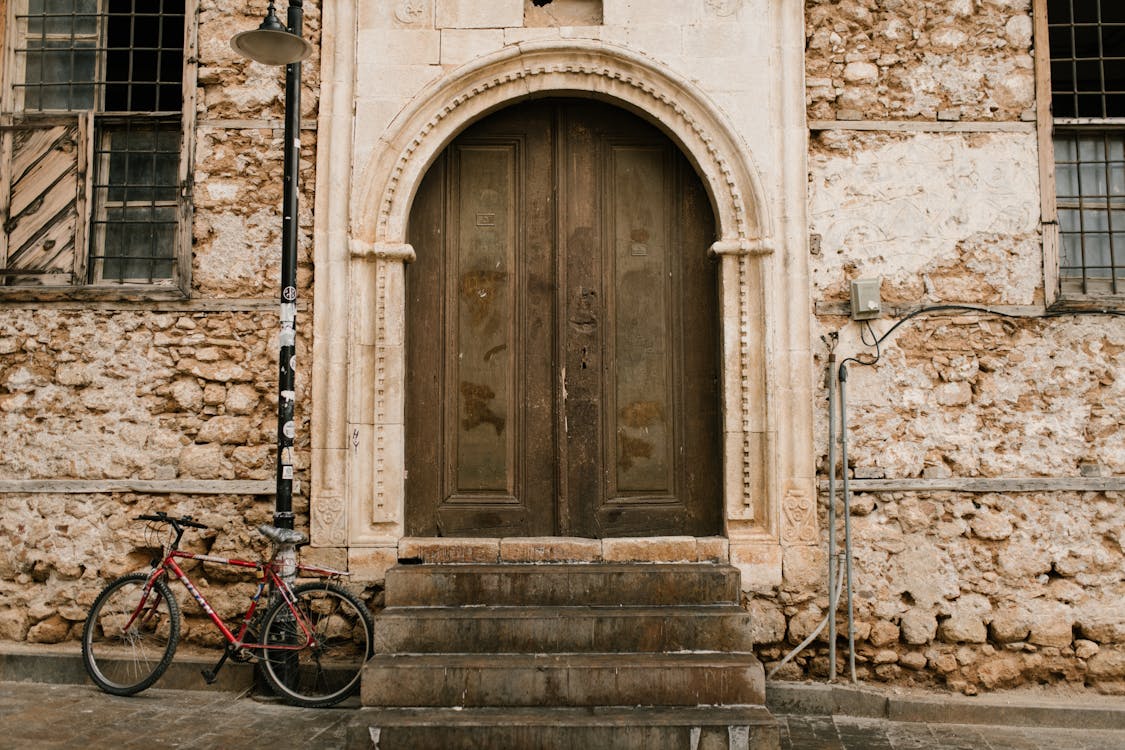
<point>1054,297</point>
<point>84,286</point>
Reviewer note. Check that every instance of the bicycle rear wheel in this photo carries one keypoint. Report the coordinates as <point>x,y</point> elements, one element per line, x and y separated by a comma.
<point>125,660</point>
<point>326,671</point>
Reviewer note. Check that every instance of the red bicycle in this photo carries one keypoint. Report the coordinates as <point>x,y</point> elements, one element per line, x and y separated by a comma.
<point>311,641</point>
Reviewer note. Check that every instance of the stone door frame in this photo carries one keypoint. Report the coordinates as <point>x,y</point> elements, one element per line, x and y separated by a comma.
<point>357,498</point>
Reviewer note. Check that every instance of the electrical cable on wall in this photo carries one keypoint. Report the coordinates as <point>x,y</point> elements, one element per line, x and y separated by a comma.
<point>837,383</point>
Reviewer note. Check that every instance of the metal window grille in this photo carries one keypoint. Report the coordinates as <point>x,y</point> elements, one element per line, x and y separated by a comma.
<point>123,60</point>
<point>136,199</point>
<point>1090,186</point>
<point>1087,48</point>
<point>104,55</point>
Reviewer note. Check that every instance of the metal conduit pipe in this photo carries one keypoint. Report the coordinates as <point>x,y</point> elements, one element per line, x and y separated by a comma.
<point>833,594</point>
<point>835,574</point>
<point>847,516</point>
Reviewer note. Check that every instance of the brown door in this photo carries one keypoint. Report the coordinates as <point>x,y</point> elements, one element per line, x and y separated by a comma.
<point>562,332</point>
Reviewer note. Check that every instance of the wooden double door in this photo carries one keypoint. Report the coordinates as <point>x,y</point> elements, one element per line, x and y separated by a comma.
<point>562,365</point>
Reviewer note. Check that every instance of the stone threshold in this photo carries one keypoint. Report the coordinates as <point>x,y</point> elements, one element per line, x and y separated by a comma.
<point>653,549</point>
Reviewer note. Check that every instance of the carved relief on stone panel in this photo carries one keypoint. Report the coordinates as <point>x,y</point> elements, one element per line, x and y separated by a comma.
<point>413,12</point>
<point>328,520</point>
<point>798,517</point>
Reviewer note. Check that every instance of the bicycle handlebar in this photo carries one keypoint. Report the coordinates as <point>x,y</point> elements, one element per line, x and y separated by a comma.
<point>162,517</point>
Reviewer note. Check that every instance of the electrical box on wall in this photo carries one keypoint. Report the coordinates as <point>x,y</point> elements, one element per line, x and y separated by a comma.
<point>865,299</point>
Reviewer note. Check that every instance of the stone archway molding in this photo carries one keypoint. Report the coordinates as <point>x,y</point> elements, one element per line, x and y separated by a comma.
<point>575,68</point>
<point>358,497</point>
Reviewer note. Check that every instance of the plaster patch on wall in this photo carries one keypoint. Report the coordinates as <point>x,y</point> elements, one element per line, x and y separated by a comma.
<point>948,205</point>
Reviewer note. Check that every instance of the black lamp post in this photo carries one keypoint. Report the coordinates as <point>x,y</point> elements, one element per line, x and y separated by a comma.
<point>274,44</point>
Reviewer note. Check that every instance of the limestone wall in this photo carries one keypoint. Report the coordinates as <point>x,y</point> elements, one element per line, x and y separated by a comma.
<point>977,590</point>
<point>900,60</point>
<point>169,391</point>
<point>973,590</point>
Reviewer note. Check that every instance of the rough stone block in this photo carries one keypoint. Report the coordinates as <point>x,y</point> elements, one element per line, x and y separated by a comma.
<point>713,549</point>
<point>1107,664</point>
<point>650,549</point>
<point>883,633</point>
<point>759,564</point>
<point>1010,624</point>
<point>52,630</point>
<point>804,569</point>
<point>966,623</point>
<point>225,430</point>
<point>1104,626</point>
<point>450,550</point>
<point>1051,632</point>
<point>325,557</point>
<point>201,462</point>
<point>549,549</point>
<point>767,621</point>
<point>371,564</point>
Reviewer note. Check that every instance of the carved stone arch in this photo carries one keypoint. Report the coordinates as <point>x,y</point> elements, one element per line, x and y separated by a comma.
<point>358,474</point>
<point>577,68</point>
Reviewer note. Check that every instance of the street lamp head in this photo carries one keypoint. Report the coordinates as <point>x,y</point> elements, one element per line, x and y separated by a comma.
<point>271,43</point>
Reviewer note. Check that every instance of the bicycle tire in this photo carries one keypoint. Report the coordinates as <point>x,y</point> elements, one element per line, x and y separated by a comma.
<point>327,672</point>
<point>125,663</point>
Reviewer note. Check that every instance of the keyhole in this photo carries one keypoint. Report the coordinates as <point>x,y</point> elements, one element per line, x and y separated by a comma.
<point>584,351</point>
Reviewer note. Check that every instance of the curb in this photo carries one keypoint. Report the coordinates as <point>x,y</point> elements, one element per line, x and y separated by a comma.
<point>933,708</point>
<point>63,665</point>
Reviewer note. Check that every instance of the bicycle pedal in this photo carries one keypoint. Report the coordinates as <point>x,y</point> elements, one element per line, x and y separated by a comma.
<point>209,676</point>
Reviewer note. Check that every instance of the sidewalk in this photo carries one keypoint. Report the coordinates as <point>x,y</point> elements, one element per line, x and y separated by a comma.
<point>62,717</point>
<point>46,702</point>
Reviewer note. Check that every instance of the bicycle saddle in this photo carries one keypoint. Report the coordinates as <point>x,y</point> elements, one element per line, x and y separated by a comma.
<point>283,536</point>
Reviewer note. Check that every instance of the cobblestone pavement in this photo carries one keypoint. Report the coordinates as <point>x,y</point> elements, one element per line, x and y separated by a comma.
<point>37,716</point>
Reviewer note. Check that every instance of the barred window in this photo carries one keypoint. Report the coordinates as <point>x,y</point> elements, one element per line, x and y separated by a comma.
<point>1087,50</point>
<point>96,136</point>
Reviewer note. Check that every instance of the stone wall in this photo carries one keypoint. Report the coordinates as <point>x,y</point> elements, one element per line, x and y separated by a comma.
<point>902,60</point>
<point>976,590</point>
<point>170,391</point>
<point>971,590</point>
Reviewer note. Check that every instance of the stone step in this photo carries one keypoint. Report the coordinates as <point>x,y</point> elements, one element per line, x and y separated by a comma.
<point>561,585</point>
<point>621,728</point>
<point>683,679</point>
<point>717,627</point>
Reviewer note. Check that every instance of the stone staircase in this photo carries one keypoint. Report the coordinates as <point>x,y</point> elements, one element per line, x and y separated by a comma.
<point>583,656</point>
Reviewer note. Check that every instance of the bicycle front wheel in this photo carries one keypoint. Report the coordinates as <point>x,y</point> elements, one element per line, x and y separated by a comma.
<point>323,669</point>
<point>129,638</point>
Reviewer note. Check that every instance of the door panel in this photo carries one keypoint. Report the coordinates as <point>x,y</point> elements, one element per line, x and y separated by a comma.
<point>561,332</point>
<point>479,368</point>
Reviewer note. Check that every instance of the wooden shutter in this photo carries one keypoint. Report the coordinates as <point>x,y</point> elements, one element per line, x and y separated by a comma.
<point>43,201</point>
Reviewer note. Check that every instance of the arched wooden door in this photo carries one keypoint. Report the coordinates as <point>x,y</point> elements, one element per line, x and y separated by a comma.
<point>562,348</point>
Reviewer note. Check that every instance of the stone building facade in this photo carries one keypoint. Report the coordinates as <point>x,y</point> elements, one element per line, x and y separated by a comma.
<point>841,140</point>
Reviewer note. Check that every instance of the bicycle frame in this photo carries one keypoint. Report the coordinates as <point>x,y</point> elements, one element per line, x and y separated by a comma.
<point>267,577</point>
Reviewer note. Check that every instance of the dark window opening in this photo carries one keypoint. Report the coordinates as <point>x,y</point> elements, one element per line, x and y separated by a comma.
<point>1087,49</point>
<point>144,58</point>
<point>122,60</point>
<point>1087,42</point>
